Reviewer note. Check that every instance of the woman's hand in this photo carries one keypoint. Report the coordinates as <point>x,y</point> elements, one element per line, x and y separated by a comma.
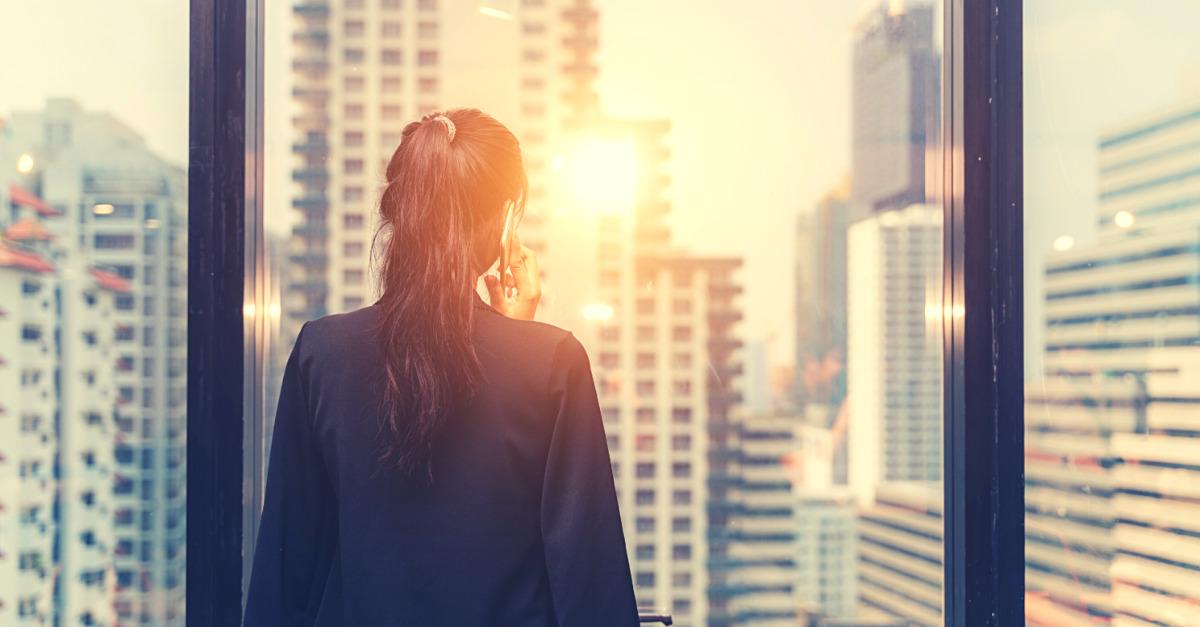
<point>521,290</point>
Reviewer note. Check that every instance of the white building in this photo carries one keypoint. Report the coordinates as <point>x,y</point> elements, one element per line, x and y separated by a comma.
<point>900,554</point>
<point>1113,432</point>
<point>56,425</point>
<point>115,205</point>
<point>894,372</point>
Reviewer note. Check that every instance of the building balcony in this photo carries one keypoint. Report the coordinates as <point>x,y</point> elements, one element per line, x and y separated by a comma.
<point>311,231</point>
<point>310,175</point>
<point>311,202</point>
<point>313,37</point>
<point>316,285</point>
<point>310,260</point>
<point>314,95</point>
<point>724,317</point>
<point>311,147</point>
<point>724,290</point>
<point>312,8</point>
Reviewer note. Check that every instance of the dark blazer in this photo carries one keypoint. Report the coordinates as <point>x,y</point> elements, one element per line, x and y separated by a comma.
<point>519,528</point>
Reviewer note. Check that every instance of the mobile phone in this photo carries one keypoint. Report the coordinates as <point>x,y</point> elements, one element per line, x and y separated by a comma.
<point>507,237</point>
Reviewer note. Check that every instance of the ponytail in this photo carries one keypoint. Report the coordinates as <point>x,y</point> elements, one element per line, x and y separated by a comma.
<point>449,183</point>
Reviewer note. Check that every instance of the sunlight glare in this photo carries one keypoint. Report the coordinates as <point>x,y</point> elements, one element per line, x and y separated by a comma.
<point>603,174</point>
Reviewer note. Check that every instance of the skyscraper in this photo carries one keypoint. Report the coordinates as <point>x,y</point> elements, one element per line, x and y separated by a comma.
<point>1112,433</point>
<point>821,284</point>
<point>108,215</point>
<point>895,356</point>
<point>896,112</point>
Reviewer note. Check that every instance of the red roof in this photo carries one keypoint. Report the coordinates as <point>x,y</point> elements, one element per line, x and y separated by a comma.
<point>110,281</point>
<point>24,260</point>
<point>22,196</point>
<point>27,229</point>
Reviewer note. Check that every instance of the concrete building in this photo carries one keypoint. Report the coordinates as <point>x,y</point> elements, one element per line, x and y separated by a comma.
<point>56,460</point>
<point>821,284</point>
<point>895,355</point>
<point>900,554</point>
<point>1113,431</point>
<point>362,70</point>
<point>110,203</point>
<point>895,93</point>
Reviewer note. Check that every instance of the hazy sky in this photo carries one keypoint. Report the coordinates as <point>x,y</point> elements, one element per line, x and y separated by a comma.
<point>757,91</point>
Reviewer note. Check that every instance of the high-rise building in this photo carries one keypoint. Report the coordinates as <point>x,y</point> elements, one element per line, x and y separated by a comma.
<point>108,202</point>
<point>1113,431</point>
<point>895,356</point>
<point>896,112</point>
<point>821,284</point>
<point>900,554</point>
<point>667,360</point>
<point>362,70</point>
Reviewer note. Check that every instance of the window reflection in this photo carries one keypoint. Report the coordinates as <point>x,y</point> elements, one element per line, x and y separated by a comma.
<point>1112,292</point>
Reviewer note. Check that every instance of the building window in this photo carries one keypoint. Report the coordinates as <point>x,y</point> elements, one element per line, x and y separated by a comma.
<point>427,5</point>
<point>427,30</point>
<point>681,524</point>
<point>427,84</point>
<point>113,241</point>
<point>644,579</point>
<point>645,306</point>
<point>681,442</point>
<point>353,83</point>
<point>681,306</point>
<point>610,414</point>
<point>390,4</point>
<point>645,415</point>
<point>645,470</point>
<point>352,166</point>
<point>682,388</point>
<point>645,388</point>
<point>644,497</point>
<point>352,249</point>
<point>682,360</point>
<point>681,580</point>
<point>353,55</point>
<point>681,497</point>
<point>390,112</point>
<point>352,302</point>
<point>645,360</point>
<point>352,194</point>
<point>353,111</point>
<point>681,333</point>
<point>352,221</point>
<point>392,28</point>
<point>392,83</point>
<point>644,552</point>
<point>353,277</point>
<point>392,56</point>
<point>645,524</point>
<point>683,607</point>
<point>354,28</point>
<point>427,58</point>
<point>353,138</point>
<point>681,415</point>
<point>533,28</point>
<point>681,552</point>
<point>533,55</point>
<point>645,443</point>
<point>645,333</point>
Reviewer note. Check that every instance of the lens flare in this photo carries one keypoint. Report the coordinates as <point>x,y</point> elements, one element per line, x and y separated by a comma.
<point>602,174</point>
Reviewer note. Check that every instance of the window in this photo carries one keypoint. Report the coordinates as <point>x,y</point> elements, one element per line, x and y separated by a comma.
<point>352,221</point>
<point>390,4</point>
<point>113,241</point>
<point>353,277</point>
<point>645,470</point>
<point>352,166</point>
<point>353,111</point>
<point>354,28</point>
<point>427,84</point>
<point>392,28</point>
<point>645,497</point>
<point>352,249</point>
<point>427,58</point>
<point>645,415</point>
<point>352,194</point>
<point>391,56</point>
<point>427,30</point>
<point>1105,337</point>
<point>352,138</point>
<point>427,5</point>
<point>391,83</point>
<point>353,56</point>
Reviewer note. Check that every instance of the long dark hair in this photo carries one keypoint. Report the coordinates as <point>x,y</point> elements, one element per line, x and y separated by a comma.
<point>449,186</point>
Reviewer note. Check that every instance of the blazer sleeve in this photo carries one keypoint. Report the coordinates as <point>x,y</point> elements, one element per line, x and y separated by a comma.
<point>586,560</point>
<point>298,530</point>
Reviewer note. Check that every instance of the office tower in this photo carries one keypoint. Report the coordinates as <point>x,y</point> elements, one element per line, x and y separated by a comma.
<point>896,112</point>
<point>821,302</point>
<point>900,554</point>
<point>826,581</point>
<point>362,70</point>
<point>666,358</point>
<point>895,355</point>
<point>113,204</point>
<point>1112,431</point>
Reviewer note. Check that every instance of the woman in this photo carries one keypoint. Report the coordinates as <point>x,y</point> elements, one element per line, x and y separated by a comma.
<point>436,460</point>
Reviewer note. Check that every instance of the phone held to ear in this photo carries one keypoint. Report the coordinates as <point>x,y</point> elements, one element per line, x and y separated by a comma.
<point>507,237</point>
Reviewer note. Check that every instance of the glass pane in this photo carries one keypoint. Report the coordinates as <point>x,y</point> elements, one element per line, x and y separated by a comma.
<point>736,214</point>
<point>93,291</point>
<point>1112,140</point>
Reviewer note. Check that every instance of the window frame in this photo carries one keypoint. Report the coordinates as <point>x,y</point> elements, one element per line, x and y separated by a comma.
<point>983,272</point>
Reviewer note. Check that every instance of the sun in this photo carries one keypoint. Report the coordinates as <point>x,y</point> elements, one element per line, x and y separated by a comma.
<point>601,174</point>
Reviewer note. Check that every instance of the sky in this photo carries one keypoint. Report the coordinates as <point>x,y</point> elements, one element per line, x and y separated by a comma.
<point>757,92</point>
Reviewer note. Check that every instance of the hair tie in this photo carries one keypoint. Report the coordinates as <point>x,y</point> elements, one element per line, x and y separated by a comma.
<point>450,130</point>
